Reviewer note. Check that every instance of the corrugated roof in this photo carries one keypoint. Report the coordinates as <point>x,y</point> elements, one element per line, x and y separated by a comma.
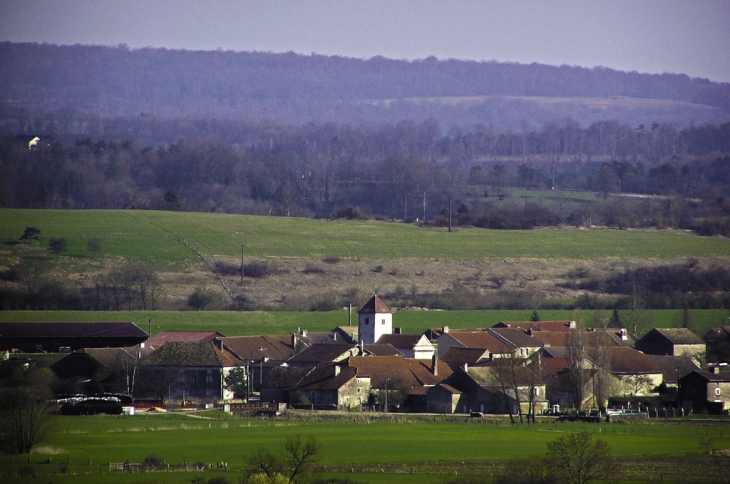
<point>535,325</point>
<point>183,336</point>
<point>375,305</point>
<point>70,329</point>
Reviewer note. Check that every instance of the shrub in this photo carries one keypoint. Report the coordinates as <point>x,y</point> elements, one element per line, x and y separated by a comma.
<point>312,269</point>
<point>257,269</point>
<point>331,260</point>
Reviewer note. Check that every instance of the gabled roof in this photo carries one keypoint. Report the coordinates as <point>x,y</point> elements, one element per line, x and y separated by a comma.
<point>517,338</point>
<point>678,336</point>
<point>457,357</point>
<point>381,350</point>
<point>709,376</point>
<point>183,336</point>
<point>406,372</point>
<point>327,376</point>
<point>631,361</point>
<point>489,376</point>
<point>374,305</point>
<point>286,376</point>
<point>403,341</point>
<point>320,353</point>
<point>275,348</point>
<point>336,337</point>
<point>673,367</point>
<point>70,330</point>
<point>715,333</point>
<point>182,354</point>
<point>480,339</point>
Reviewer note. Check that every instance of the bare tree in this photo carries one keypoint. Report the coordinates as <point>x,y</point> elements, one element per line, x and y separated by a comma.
<point>639,317</point>
<point>577,459</point>
<point>602,375</point>
<point>94,245</point>
<point>296,462</point>
<point>26,419</point>
<point>575,344</point>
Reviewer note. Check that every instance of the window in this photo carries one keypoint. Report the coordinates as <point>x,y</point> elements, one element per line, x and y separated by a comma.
<point>367,320</point>
<point>383,323</point>
<point>209,376</point>
<point>358,389</point>
<point>717,391</point>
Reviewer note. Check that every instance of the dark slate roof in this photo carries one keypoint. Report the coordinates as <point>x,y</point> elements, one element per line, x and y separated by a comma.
<point>182,354</point>
<point>327,376</point>
<point>723,376</point>
<point>375,305</point>
<point>669,364</point>
<point>275,348</point>
<point>70,330</point>
<point>680,336</point>
<point>190,336</point>
<point>286,376</point>
<point>381,350</point>
<point>400,340</point>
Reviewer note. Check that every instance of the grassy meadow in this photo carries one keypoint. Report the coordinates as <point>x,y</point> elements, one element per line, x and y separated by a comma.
<point>157,236</point>
<point>235,323</point>
<point>85,444</point>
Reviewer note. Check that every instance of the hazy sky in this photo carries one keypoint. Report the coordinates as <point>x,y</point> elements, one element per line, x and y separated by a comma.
<point>655,36</point>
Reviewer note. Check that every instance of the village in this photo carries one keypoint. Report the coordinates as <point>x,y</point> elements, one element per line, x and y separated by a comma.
<point>521,369</point>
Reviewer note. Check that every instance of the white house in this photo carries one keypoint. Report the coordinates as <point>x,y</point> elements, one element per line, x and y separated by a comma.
<point>374,320</point>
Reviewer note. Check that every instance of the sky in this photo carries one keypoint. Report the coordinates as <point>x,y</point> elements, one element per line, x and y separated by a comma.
<point>650,36</point>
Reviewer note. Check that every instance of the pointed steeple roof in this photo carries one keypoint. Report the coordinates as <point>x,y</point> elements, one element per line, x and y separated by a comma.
<point>374,305</point>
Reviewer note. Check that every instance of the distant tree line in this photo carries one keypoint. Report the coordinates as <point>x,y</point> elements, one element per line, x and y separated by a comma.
<point>404,171</point>
<point>118,81</point>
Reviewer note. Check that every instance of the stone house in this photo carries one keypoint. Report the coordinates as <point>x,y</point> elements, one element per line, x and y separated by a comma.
<point>181,371</point>
<point>706,392</point>
<point>672,341</point>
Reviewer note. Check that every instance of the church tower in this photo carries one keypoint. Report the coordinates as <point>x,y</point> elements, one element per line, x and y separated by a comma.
<point>374,320</point>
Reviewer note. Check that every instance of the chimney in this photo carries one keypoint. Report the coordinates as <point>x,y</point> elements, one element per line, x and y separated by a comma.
<point>304,332</point>
<point>334,335</point>
<point>294,341</point>
<point>716,370</point>
<point>571,324</point>
<point>466,367</point>
<point>362,348</point>
<point>141,345</point>
<point>445,329</point>
<point>337,370</point>
<point>434,365</point>
<point>624,336</point>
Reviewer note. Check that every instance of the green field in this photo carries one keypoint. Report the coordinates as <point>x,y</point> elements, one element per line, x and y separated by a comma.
<point>154,235</point>
<point>86,444</point>
<point>232,323</point>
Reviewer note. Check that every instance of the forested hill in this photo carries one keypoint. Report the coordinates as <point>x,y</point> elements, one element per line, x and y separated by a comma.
<point>295,89</point>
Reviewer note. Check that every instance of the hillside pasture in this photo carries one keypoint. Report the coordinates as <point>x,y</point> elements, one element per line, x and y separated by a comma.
<point>159,236</point>
<point>248,323</point>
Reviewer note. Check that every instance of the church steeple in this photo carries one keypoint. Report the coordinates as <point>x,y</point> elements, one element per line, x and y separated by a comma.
<point>374,320</point>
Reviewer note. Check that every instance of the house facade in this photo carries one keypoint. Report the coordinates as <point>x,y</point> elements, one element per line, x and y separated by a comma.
<point>705,392</point>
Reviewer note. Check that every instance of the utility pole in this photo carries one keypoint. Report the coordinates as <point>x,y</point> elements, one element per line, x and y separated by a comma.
<point>241,262</point>
<point>386,396</point>
<point>449,213</point>
<point>424,206</point>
